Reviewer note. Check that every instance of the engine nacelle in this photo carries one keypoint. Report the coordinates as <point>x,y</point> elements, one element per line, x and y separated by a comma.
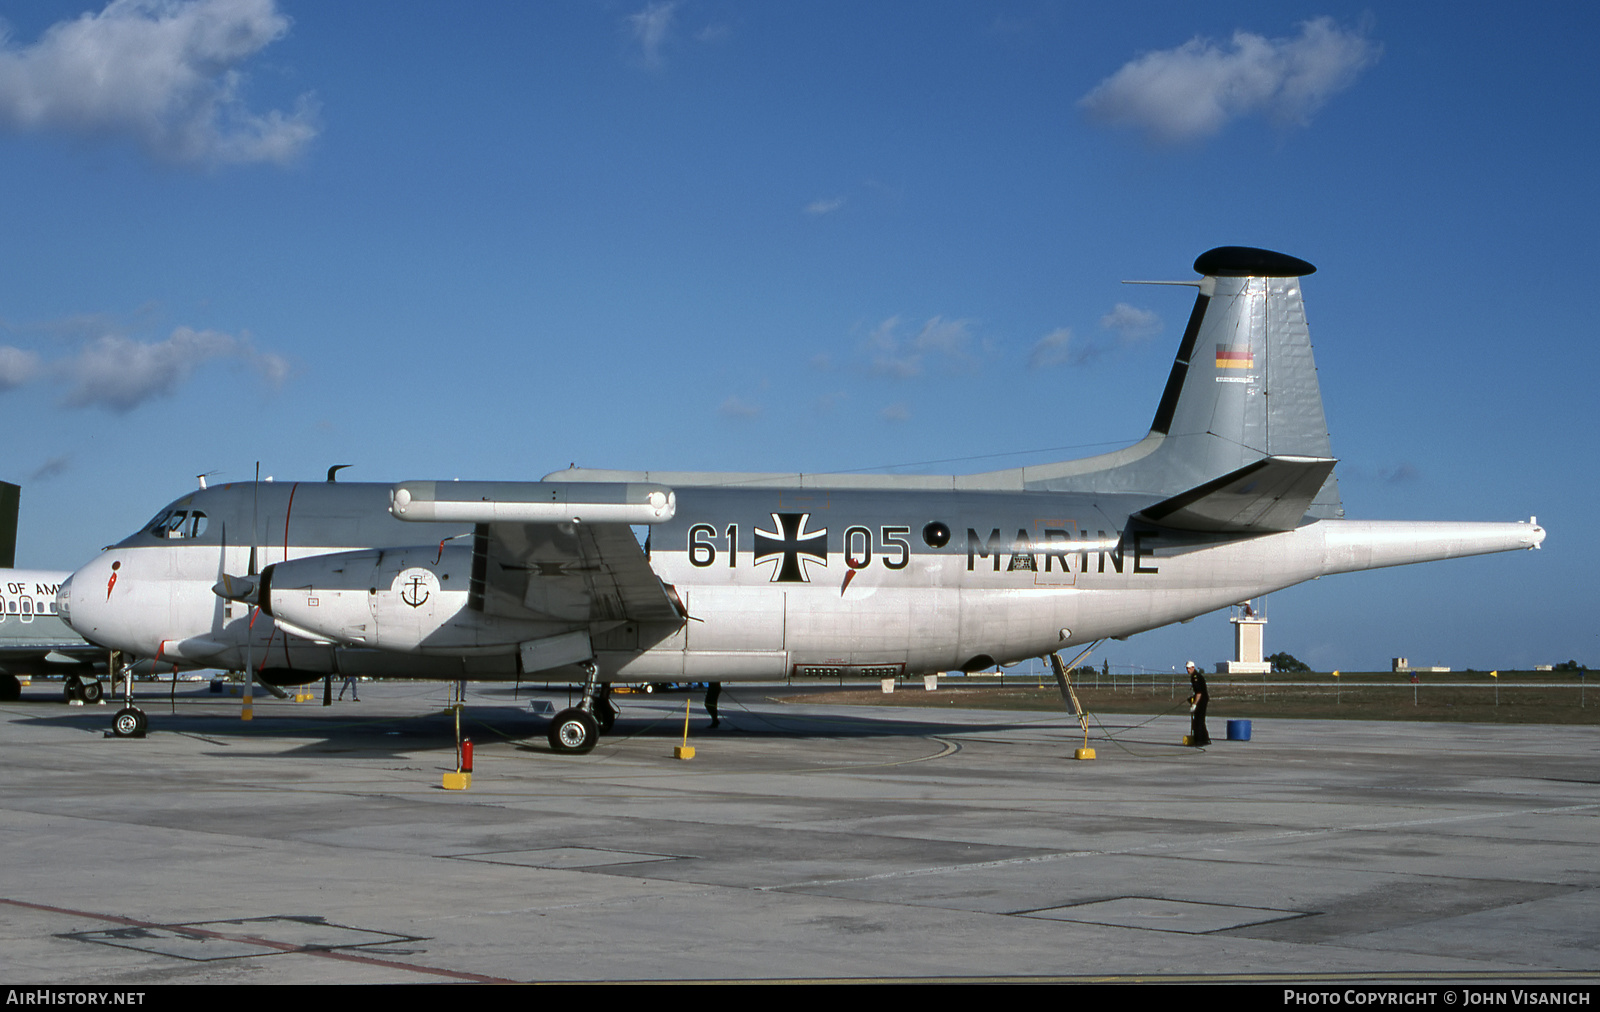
<point>413,600</point>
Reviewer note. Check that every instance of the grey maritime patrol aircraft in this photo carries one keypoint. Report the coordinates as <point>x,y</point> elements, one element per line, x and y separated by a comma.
<point>768,576</point>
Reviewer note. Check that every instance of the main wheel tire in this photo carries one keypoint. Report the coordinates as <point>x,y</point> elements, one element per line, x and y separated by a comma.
<point>605,714</point>
<point>573,732</point>
<point>128,723</point>
<point>71,689</point>
<point>10,688</point>
<point>92,690</point>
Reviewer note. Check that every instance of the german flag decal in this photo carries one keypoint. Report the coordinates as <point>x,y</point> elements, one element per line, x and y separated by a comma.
<point>1235,356</point>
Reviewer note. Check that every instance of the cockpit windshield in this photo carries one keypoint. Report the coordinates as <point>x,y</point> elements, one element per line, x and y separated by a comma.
<point>178,524</point>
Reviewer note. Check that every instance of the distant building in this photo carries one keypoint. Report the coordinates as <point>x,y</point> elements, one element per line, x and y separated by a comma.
<point>1249,642</point>
<point>1401,664</point>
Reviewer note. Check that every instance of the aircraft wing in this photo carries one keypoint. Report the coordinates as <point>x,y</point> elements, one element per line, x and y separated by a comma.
<point>44,646</point>
<point>557,550</point>
<point>1272,494</point>
<point>568,572</point>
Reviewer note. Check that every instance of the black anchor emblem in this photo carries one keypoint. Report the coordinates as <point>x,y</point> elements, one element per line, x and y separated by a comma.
<point>413,593</point>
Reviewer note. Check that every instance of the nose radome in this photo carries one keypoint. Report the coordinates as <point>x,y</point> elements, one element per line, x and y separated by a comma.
<point>64,600</point>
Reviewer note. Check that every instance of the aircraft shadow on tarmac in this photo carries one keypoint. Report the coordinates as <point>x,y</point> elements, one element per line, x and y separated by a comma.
<point>345,731</point>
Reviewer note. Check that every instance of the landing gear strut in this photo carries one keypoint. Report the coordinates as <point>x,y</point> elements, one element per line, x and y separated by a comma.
<point>605,711</point>
<point>575,730</point>
<point>130,721</point>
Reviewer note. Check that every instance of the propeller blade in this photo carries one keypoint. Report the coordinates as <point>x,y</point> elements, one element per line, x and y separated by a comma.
<point>237,588</point>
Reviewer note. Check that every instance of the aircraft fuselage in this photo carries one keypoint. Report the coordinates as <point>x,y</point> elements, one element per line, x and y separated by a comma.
<point>774,582</point>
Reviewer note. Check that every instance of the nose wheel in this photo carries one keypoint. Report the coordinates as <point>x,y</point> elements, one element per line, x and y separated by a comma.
<point>129,722</point>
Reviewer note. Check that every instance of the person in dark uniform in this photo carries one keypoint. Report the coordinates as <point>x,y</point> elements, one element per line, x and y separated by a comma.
<point>1197,708</point>
<point>713,690</point>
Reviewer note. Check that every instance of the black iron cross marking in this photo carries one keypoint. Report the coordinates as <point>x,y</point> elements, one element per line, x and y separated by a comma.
<point>792,543</point>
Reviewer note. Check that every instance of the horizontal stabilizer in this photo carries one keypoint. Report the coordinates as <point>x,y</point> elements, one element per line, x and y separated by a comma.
<point>1273,494</point>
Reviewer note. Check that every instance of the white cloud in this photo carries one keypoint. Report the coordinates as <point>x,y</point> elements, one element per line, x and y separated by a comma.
<point>16,367</point>
<point>947,337</point>
<point>1132,324</point>
<point>649,28</point>
<point>904,357</point>
<point>714,33</point>
<point>824,205</point>
<point>1193,91</point>
<point>896,412</point>
<point>119,374</point>
<point>162,72</point>
<point>1053,349</point>
<point>884,348</point>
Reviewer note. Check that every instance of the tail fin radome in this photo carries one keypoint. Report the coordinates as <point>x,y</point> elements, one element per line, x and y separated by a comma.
<point>1243,387</point>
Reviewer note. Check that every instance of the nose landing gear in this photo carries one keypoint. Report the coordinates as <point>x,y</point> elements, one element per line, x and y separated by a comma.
<point>130,721</point>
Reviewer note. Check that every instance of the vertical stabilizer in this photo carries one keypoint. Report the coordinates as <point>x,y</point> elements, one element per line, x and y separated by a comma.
<point>1243,387</point>
<point>10,497</point>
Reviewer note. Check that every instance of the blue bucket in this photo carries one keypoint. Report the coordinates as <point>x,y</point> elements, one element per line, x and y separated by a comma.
<point>1238,730</point>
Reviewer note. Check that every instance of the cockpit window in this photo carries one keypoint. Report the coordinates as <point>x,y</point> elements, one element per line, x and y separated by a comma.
<point>176,524</point>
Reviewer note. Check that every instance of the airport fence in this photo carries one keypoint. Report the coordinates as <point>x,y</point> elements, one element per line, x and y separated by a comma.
<point>1516,696</point>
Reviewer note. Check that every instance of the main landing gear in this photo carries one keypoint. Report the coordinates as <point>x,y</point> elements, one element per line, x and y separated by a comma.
<point>76,687</point>
<point>576,729</point>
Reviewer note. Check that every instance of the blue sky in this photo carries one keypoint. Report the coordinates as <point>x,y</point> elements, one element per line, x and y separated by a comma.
<point>487,240</point>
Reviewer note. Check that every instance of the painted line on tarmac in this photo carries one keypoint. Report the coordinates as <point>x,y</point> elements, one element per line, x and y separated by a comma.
<point>343,957</point>
<point>1215,843</point>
